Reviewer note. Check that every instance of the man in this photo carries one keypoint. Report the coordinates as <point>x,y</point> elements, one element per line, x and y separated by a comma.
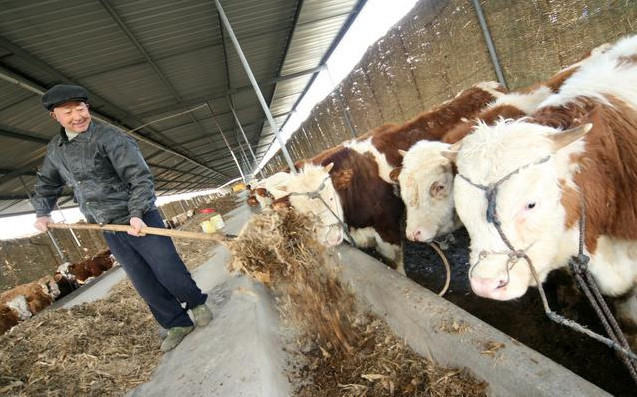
<point>112,184</point>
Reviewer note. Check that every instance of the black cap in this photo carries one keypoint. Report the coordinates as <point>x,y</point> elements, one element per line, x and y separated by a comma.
<point>61,93</point>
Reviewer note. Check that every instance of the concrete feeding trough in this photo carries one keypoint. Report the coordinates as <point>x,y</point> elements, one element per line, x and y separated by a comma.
<point>450,336</point>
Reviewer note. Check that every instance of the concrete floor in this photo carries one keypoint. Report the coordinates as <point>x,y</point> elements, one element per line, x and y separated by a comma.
<point>241,352</point>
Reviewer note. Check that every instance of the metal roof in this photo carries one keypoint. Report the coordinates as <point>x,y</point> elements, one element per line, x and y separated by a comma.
<point>165,62</point>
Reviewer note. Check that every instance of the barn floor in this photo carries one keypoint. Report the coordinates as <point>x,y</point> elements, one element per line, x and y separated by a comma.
<point>242,352</point>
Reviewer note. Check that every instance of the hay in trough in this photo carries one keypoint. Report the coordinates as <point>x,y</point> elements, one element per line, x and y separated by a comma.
<point>347,353</point>
<point>103,348</point>
<point>278,249</point>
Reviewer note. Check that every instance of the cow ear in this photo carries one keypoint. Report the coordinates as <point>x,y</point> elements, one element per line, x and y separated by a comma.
<point>402,152</point>
<point>394,174</point>
<point>565,138</point>
<point>452,152</point>
<point>328,167</point>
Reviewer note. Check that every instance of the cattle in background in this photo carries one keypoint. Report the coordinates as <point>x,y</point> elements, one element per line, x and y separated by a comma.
<point>36,295</point>
<point>87,270</point>
<point>426,176</point>
<point>554,162</point>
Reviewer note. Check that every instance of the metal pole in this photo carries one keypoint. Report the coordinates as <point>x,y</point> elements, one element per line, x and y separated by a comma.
<point>487,37</point>
<point>340,101</point>
<point>48,232</point>
<point>77,241</point>
<point>214,119</point>
<point>244,61</point>
<point>245,138</point>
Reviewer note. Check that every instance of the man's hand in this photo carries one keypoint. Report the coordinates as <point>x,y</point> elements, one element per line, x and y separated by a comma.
<point>41,223</point>
<point>136,225</point>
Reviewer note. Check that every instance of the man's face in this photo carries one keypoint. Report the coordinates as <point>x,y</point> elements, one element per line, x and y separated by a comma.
<point>73,116</point>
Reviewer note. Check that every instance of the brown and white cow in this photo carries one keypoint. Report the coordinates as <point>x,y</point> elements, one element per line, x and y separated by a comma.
<point>386,142</point>
<point>426,176</point>
<point>580,145</point>
<point>349,183</point>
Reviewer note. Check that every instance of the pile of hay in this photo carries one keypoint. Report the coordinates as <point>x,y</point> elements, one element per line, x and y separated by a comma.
<point>278,249</point>
<point>104,348</point>
<point>347,353</point>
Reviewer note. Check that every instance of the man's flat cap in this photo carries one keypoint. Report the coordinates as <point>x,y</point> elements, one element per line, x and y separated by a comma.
<point>61,93</point>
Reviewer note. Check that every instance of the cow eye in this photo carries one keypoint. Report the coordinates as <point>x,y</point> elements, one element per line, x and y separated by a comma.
<point>530,206</point>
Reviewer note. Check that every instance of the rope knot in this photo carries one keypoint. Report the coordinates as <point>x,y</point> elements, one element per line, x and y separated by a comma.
<point>579,263</point>
<point>313,195</point>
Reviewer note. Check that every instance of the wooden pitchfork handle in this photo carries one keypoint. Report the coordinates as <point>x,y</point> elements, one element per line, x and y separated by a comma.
<point>147,230</point>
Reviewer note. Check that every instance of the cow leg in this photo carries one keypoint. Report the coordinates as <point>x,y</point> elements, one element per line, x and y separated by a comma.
<point>392,252</point>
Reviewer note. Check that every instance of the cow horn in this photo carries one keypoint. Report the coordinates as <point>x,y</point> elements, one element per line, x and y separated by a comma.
<point>565,138</point>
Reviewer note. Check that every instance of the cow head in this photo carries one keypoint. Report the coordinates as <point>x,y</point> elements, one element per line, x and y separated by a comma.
<point>527,161</point>
<point>426,187</point>
<point>316,178</point>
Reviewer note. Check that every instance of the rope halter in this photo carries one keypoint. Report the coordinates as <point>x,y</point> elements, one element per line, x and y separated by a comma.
<point>579,264</point>
<point>316,194</point>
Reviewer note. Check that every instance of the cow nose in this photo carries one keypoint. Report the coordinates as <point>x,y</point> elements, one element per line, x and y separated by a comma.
<point>415,235</point>
<point>485,287</point>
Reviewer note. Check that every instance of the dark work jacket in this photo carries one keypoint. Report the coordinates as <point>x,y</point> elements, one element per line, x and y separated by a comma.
<point>110,179</point>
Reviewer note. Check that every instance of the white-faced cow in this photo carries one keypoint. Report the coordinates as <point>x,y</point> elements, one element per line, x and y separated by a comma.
<point>426,176</point>
<point>581,145</point>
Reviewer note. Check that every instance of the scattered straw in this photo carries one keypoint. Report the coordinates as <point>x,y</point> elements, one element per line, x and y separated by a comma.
<point>103,348</point>
<point>343,353</point>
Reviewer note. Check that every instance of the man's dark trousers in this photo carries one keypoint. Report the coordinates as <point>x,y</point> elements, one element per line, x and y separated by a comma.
<point>157,273</point>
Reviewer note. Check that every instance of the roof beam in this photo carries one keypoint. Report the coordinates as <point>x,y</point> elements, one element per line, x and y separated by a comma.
<point>22,135</point>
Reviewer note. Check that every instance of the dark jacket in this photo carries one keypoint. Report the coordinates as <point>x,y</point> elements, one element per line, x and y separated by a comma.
<point>110,179</point>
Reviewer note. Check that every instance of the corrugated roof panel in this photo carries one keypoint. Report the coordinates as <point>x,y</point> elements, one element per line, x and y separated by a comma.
<point>63,34</point>
<point>165,27</point>
<point>314,10</point>
<point>259,17</point>
<point>135,89</point>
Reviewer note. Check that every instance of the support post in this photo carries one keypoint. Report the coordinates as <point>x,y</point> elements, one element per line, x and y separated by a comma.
<point>214,119</point>
<point>246,66</point>
<point>490,46</point>
<point>245,138</point>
